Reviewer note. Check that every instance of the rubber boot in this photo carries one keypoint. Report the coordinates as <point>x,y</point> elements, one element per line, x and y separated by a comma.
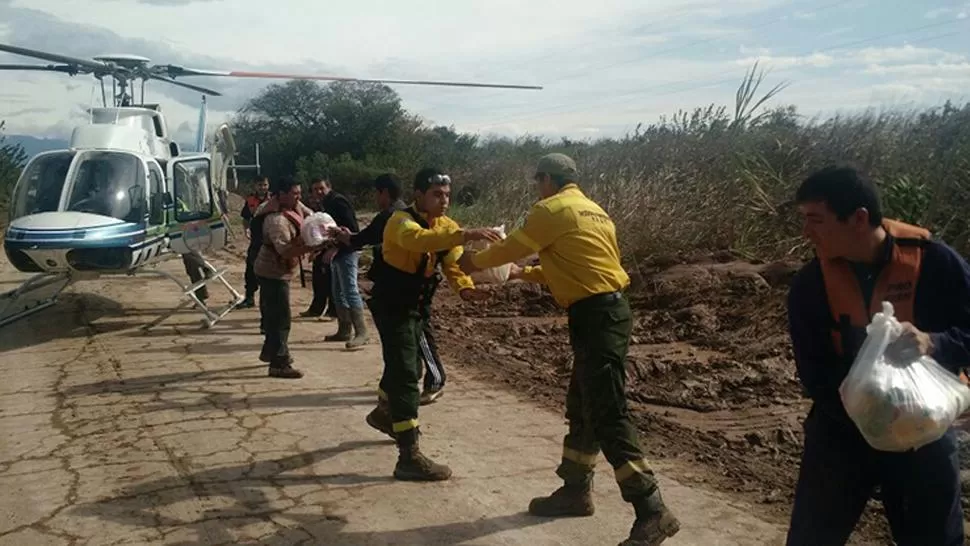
<point>569,501</point>
<point>412,465</point>
<point>380,419</point>
<point>360,330</point>
<point>655,522</point>
<point>343,326</point>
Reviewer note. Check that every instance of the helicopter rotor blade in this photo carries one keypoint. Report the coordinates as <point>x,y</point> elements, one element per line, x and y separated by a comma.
<point>178,71</point>
<point>66,69</point>
<point>204,90</point>
<point>55,58</point>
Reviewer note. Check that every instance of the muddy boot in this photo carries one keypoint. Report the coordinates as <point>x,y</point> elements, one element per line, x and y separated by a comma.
<point>412,465</point>
<point>567,501</point>
<point>380,419</point>
<point>343,326</point>
<point>655,523</point>
<point>281,367</point>
<point>360,330</point>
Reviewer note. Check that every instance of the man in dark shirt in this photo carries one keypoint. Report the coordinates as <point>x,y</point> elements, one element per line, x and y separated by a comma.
<point>259,196</point>
<point>831,301</point>
<point>323,301</point>
<point>387,189</point>
<point>343,272</point>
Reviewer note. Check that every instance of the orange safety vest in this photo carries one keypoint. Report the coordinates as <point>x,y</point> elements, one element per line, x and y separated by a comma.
<point>253,202</point>
<point>896,284</point>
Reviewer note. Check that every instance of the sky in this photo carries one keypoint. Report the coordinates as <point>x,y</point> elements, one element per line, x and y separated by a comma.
<point>605,65</point>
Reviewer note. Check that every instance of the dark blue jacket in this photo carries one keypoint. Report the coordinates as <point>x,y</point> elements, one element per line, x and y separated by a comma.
<point>941,308</point>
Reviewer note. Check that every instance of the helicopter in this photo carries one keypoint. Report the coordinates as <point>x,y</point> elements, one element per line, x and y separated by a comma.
<point>123,197</point>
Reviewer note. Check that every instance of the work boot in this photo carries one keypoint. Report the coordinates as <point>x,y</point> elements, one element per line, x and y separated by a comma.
<point>412,465</point>
<point>570,500</point>
<point>281,367</point>
<point>655,522</point>
<point>380,419</point>
<point>343,326</point>
<point>360,330</point>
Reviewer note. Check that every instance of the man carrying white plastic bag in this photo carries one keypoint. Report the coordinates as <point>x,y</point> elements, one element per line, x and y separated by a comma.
<point>861,261</point>
<point>900,399</point>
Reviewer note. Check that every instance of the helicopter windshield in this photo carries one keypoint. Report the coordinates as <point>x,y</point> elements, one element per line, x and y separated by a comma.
<point>41,185</point>
<point>109,184</point>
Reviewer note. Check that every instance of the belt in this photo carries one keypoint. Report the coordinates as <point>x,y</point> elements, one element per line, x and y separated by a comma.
<point>605,297</point>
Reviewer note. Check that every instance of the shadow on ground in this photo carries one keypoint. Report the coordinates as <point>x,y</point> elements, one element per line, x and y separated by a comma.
<point>75,315</point>
<point>255,494</point>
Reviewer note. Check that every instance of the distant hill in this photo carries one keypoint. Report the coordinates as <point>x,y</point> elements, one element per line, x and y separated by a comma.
<point>34,145</point>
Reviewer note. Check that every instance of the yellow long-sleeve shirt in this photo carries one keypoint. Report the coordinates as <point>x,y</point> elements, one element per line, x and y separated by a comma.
<point>576,241</point>
<point>405,242</point>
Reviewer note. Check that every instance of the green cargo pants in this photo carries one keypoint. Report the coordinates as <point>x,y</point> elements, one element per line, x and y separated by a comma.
<point>596,406</point>
<point>399,329</point>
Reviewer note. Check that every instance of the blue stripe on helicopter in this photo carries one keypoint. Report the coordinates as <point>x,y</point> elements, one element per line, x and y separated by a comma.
<point>100,237</point>
<point>77,237</point>
<point>80,243</point>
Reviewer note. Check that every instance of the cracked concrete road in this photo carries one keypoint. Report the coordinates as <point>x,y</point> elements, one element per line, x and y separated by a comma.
<point>110,435</point>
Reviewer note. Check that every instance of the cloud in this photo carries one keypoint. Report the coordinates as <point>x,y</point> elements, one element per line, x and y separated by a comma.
<point>816,60</point>
<point>759,51</point>
<point>958,12</point>
<point>906,53</point>
<point>604,69</point>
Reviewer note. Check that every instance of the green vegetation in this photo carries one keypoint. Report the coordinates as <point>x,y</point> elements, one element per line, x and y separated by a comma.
<point>12,160</point>
<point>710,179</point>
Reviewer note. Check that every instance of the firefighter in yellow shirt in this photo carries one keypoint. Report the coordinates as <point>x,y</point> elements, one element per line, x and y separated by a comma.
<point>580,262</point>
<point>419,244</point>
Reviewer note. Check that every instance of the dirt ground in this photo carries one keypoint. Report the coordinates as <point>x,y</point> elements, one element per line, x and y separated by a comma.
<point>710,373</point>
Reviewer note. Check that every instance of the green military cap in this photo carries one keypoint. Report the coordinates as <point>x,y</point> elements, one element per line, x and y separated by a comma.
<point>558,164</point>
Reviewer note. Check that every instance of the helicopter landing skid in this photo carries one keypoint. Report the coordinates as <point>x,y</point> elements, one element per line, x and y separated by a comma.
<point>209,316</point>
<point>35,294</point>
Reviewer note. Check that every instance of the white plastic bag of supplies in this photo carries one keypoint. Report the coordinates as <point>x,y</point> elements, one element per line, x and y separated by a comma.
<point>315,228</point>
<point>492,275</point>
<point>899,406</point>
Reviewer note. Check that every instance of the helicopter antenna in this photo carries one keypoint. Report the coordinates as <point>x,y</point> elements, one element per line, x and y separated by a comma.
<point>91,109</point>
<point>200,135</point>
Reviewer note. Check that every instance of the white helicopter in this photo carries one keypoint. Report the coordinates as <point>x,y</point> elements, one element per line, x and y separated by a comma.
<point>123,196</point>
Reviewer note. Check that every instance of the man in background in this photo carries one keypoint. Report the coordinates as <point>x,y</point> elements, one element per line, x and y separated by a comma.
<point>276,260</point>
<point>351,325</point>
<point>253,201</point>
<point>323,302</point>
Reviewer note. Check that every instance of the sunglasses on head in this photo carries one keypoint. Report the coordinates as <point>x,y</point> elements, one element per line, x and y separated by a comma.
<point>440,179</point>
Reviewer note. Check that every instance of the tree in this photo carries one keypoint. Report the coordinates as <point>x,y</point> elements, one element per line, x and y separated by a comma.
<point>302,118</point>
<point>12,160</point>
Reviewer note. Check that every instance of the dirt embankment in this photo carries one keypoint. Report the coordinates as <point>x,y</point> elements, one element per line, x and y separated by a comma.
<point>711,380</point>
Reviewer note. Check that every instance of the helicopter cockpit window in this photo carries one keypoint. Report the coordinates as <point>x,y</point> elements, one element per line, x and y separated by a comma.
<point>193,198</point>
<point>41,185</point>
<point>109,184</point>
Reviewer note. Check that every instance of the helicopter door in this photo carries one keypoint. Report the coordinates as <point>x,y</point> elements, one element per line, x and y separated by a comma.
<point>197,225</point>
<point>156,195</point>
